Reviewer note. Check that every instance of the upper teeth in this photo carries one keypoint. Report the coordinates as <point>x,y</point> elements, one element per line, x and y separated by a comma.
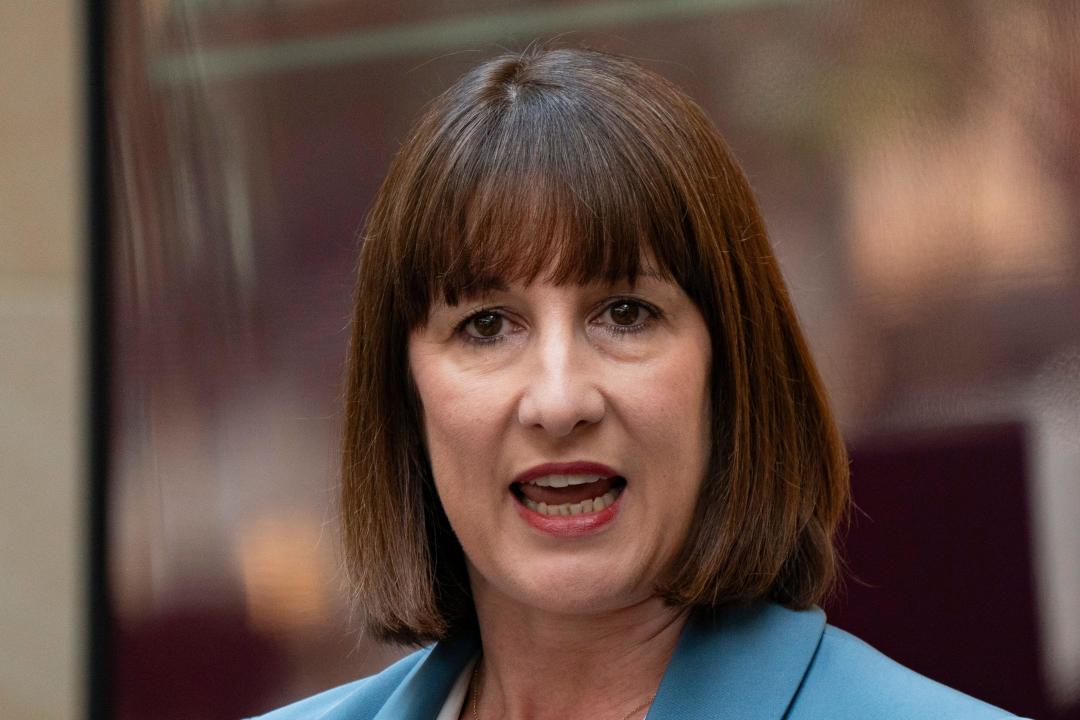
<point>564,480</point>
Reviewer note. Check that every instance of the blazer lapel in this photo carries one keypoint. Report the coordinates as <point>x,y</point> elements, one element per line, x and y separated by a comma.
<point>423,691</point>
<point>747,663</point>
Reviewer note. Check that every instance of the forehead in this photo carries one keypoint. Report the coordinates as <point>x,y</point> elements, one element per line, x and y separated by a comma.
<point>529,196</point>
<point>490,285</point>
<point>505,242</point>
<point>569,260</point>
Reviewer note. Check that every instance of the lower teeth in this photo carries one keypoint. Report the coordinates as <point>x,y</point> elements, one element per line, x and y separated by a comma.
<point>586,506</point>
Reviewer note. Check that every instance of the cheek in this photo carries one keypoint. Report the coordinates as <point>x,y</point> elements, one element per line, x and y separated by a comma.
<point>458,450</point>
<point>667,412</point>
<point>671,396</point>
<point>460,425</point>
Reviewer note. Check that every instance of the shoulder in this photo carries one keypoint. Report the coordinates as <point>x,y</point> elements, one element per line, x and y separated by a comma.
<point>363,697</point>
<point>849,678</point>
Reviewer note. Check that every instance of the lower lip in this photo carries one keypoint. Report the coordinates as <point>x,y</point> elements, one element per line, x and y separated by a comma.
<point>568,526</point>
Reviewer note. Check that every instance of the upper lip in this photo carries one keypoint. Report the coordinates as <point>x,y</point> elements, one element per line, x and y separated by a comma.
<point>577,467</point>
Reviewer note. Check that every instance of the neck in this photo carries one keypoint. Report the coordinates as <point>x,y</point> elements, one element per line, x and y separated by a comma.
<point>538,665</point>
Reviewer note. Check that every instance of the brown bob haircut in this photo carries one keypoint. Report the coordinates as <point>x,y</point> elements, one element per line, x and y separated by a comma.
<point>583,166</point>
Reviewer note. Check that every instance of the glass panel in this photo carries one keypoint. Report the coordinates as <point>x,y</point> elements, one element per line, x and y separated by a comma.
<point>918,165</point>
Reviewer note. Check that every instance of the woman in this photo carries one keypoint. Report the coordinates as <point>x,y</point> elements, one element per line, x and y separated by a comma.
<point>587,453</point>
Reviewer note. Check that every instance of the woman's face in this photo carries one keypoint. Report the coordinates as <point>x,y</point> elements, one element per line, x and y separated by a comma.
<point>568,432</point>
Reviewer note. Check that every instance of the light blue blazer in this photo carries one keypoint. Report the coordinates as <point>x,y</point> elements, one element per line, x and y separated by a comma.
<point>758,663</point>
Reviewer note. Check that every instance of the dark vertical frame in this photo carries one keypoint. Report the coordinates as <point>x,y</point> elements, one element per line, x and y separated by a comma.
<point>98,655</point>
<point>101,671</point>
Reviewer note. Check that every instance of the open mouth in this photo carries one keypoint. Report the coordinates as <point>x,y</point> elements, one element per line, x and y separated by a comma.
<point>569,494</point>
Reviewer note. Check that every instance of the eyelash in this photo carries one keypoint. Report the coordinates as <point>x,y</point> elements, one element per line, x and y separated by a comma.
<point>651,312</point>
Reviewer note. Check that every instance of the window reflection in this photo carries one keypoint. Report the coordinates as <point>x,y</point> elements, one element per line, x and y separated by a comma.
<point>918,165</point>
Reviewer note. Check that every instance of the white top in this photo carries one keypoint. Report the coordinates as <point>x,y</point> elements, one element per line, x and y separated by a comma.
<point>455,701</point>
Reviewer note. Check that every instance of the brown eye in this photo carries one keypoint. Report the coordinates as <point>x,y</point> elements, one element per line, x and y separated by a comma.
<point>625,313</point>
<point>485,325</point>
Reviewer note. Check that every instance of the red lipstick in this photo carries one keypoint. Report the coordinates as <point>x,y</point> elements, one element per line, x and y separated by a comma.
<point>568,526</point>
<point>578,467</point>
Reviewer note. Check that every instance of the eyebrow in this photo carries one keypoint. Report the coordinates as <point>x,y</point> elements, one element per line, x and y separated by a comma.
<point>476,289</point>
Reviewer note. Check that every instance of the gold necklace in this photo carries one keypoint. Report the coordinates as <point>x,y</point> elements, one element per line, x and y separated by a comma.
<point>474,691</point>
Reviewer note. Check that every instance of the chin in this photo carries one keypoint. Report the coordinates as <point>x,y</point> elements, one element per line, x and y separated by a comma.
<point>575,587</point>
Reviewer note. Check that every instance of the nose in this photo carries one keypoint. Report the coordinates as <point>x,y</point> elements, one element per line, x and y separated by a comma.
<point>561,394</point>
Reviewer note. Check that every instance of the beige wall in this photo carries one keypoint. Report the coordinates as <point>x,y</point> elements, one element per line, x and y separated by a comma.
<point>42,359</point>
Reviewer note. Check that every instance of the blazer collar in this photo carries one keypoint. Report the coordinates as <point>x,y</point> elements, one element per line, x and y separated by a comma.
<point>422,693</point>
<point>744,662</point>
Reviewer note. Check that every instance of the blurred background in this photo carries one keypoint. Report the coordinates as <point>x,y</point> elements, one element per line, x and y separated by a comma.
<point>918,165</point>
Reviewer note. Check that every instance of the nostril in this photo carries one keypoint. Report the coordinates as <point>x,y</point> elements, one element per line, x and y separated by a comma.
<point>561,401</point>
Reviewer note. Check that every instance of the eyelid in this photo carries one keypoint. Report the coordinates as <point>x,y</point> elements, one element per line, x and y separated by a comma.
<point>647,306</point>
<point>653,314</point>
<point>461,325</point>
<point>472,312</point>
